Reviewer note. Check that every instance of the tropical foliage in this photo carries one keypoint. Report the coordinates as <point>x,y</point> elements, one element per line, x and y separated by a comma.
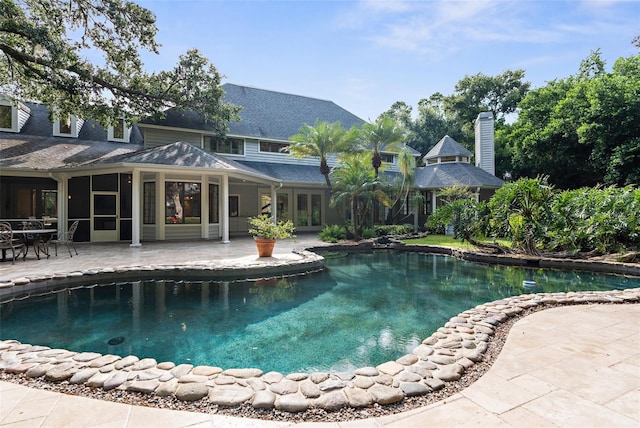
<point>265,227</point>
<point>321,141</point>
<point>333,233</point>
<point>537,218</point>
<point>356,187</point>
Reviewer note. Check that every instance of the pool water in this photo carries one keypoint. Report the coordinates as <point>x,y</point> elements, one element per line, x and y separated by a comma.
<point>364,309</point>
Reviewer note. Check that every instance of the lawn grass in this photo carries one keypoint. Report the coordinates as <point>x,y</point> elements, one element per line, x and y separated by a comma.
<point>449,241</point>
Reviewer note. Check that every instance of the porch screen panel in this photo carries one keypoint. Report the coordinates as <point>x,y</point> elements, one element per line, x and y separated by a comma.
<point>105,183</point>
<point>79,197</point>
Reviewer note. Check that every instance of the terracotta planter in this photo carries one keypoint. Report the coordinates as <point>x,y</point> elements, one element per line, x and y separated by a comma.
<point>265,246</point>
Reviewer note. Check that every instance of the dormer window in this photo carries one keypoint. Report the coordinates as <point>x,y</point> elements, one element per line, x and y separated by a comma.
<point>230,146</point>
<point>68,126</point>
<point>119,132</point>
<point>273,147</point>
<point>387,158</point>
<point>12,115</point>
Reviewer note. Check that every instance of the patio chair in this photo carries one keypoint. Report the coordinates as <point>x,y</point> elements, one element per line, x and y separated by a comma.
<point>67,239</point>
<point>8,242</point>
<point>34,239</point>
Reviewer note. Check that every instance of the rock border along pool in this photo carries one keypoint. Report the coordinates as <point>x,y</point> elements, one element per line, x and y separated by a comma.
<point>442,357</point>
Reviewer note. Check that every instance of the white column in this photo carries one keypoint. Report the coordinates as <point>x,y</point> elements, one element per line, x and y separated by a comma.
<point>224,215</point>
<point>160,195</point>
<point>274,203</point>
<point>204,206</point>
<point>433,201</point>
<point>63,203</point>
<point>136,203</point>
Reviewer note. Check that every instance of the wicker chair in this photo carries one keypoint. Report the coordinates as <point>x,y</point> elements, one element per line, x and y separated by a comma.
<point>67,239</point>
<point>8,242</point>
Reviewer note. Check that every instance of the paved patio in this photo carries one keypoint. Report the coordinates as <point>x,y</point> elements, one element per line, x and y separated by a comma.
<point>568,366</point>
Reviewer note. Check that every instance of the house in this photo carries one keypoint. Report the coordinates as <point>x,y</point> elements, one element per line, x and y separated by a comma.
<point>448,164</point>
<point>172,179</point>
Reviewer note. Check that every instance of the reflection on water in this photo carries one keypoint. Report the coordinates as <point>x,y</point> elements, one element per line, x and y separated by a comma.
<point>362,310</point>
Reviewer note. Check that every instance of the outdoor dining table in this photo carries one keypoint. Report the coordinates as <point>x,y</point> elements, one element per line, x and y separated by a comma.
<point>39,237</point>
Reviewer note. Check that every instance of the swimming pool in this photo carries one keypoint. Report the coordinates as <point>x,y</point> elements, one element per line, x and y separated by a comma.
<point>364,309</point>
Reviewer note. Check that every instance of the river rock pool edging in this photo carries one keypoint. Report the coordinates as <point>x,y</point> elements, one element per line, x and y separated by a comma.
<point>442,357</point>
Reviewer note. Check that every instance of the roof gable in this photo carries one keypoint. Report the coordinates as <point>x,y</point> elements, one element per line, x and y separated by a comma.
<point>185,155</point>
<point>447,146</point>
<point>441,175</point>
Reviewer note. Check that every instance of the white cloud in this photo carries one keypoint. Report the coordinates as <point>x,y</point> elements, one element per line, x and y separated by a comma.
<point>442,26</point>
<point>386,6</point>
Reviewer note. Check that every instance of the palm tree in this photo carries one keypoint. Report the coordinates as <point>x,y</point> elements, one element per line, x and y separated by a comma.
<point>355,185</point>
<point>321,140</point>
<point>384,134</point>
<point>402,184</point>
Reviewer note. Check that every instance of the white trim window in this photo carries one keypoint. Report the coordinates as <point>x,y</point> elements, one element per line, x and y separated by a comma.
<point>273,147</point>
<point>388,158</point>
<point>68,126</point>
<point>228,146</point>
<point>119,132</point>
<point>13,115</point>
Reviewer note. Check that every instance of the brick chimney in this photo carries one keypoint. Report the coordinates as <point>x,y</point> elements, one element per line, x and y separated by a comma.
<point>485,152</point>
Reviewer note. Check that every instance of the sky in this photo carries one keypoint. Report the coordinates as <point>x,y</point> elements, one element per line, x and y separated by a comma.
<point>366,55</point>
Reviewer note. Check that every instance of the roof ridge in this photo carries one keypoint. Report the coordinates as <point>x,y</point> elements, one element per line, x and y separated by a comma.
<point>277,92</point>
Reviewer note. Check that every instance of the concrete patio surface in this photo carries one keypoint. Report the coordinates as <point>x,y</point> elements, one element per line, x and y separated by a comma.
<point>572,366</point>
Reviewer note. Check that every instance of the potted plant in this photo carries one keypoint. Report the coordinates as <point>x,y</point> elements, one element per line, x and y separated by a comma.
<point>266,231</point>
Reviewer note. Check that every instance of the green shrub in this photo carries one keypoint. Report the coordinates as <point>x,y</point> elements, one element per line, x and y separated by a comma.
<point>333,233</point>
<point>393,229</point>
<point>368,233</point>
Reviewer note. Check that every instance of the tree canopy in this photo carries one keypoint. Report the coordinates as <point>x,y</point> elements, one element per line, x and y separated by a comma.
<point>583,130</point>
<point>45,45</point>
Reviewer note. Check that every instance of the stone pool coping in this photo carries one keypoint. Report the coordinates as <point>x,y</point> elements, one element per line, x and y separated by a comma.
<point>442,357</point>
<point>248,268</point>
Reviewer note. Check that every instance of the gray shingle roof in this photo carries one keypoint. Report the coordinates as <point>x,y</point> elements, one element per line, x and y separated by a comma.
<point>265,114</point>
<point>39,124</point>
<point>289,173</point>
<point>447,146</point>
<point>185,155</point>
<point>269,114</point>
<point>437,176</point>
<point>43,153</point>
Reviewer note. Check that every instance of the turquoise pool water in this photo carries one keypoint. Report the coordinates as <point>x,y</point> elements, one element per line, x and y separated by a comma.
<point>364,309</point>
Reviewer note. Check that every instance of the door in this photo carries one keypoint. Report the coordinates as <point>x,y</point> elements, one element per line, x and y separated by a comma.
<point>105,217</point>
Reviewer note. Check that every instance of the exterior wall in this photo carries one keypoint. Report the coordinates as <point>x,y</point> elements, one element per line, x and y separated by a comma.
<point>160,137</point>
<point>248,207</point>
<point>23,115</point>
<point>253,153</point>
<point>183,231</point>
<point>149,232</point>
